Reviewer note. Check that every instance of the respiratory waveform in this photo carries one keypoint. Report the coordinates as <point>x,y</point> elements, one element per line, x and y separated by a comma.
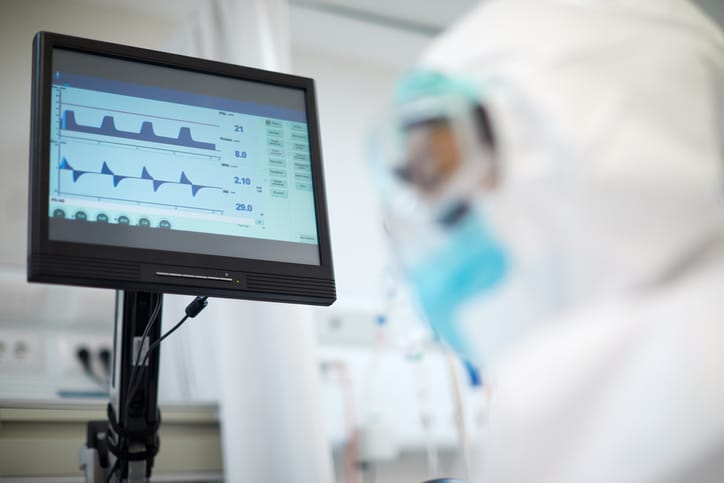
<point>145,175</point>
<point>108,128</point>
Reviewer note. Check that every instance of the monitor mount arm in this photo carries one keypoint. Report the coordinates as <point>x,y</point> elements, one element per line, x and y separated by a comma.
<point>124,446</point>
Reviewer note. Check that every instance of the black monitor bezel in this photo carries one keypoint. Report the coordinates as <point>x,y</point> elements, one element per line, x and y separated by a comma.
<point>48,259</point>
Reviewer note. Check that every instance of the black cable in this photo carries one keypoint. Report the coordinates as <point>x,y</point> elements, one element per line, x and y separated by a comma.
<point>192,310</point>
<point>112,472</point>
<point>135,382</point>
<point>132,377</point>
<point>134,370</point>
<point>83,355</point>
<point>368,471</point>
<point>169,332</point>
<point>105,357</point>
<point>146,330</point>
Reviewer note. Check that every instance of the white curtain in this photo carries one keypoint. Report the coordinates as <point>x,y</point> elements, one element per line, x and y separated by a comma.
<point>248,32</point>
<point>265,358</point>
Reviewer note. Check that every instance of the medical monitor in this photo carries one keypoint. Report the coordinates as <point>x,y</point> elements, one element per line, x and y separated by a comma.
<point>158,172</point>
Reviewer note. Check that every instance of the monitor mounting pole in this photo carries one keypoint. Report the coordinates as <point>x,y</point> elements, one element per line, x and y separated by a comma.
<point>124,446</point>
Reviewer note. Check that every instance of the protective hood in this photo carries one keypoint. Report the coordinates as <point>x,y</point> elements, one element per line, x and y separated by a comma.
<point>608,116</point>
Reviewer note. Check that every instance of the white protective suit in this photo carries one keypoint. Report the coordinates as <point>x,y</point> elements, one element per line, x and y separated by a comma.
<point>609,116</point>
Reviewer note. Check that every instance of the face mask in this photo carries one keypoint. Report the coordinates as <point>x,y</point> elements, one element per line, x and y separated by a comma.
<point>469,263</point>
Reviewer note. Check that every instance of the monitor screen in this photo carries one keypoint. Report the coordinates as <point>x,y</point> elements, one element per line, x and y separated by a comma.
<point>194,174</point>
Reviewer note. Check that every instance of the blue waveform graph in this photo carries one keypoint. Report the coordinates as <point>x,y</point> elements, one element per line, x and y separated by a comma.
<point>146,133</point>
<point>145,175</point>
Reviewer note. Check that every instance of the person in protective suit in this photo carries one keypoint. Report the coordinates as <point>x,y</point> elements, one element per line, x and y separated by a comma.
<point>553,183</point>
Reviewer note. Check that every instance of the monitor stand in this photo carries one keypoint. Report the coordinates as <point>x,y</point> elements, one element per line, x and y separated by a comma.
<point>127,442</point>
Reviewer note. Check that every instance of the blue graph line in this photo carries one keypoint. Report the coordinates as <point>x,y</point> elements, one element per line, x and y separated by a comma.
<point>108,128</point>
<point>145,175</point>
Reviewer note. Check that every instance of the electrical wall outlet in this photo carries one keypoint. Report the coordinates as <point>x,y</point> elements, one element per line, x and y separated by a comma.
<point>70,344</point>
<point>21,351</point>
